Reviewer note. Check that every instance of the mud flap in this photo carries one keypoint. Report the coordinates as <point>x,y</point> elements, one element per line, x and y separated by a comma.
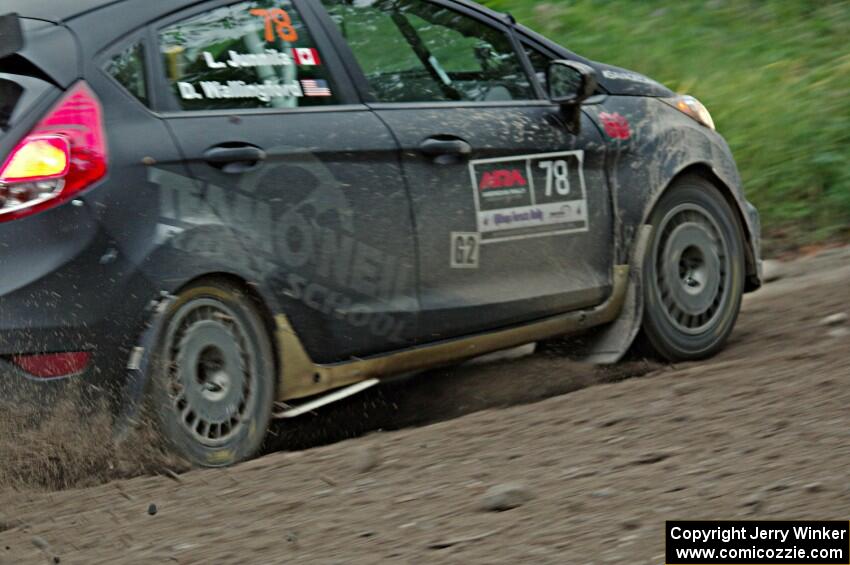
<point>138,368</point>
<point>610,343</point>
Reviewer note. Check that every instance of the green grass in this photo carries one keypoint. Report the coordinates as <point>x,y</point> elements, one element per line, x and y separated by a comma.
<point>775,75</point>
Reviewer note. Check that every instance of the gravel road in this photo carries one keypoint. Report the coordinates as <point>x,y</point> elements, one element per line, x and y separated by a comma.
<point>591,461</point>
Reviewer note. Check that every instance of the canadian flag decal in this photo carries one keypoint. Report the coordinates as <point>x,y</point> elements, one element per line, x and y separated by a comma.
<point>306,56</point>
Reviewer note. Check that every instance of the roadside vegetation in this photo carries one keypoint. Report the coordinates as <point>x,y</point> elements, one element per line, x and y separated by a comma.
<point>775,76</point>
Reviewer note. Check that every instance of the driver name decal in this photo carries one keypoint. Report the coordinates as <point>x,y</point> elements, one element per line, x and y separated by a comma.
<point>215,90</point>
<point>529,195</point>
<point>301,56</point>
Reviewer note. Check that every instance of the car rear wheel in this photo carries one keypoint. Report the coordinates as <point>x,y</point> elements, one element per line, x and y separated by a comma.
<point>213,387</point>
<point>693,272</point>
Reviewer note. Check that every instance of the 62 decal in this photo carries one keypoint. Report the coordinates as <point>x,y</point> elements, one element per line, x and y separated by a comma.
<point>278,22</point>
<point>465,248</point>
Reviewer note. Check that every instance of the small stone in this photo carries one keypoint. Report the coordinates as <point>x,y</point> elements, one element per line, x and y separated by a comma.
<point>603,493</point>
<point>650,458</point>
<point>813,488</point>
<point>152,509</point>
<point>40,543</point>
<point>631,524</point>
<point>778,486</point>
<point>367,458</point>
<point>504,497</point>
<point>772,270</point>
<point>754,502</point>
<point>686,387</point>
<point>834,319</point>
<point>836,333</point>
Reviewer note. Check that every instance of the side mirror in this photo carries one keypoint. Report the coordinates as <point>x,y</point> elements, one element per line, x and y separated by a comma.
<point>570,84</point>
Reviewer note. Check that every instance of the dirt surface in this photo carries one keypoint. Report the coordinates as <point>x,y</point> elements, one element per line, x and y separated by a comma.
<point>760,431</point>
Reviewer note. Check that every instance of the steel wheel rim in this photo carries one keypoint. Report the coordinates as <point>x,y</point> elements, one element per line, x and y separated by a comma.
<point>212,377</point>
<point>692,268</point>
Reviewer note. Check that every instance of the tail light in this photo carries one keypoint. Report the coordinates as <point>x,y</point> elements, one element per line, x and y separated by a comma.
<point>53,365</point>
<point>61,156</point>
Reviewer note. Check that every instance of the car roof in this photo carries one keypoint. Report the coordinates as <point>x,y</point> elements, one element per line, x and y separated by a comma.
<point>481,9</point>
<point>61,10</point>
<point>53,10</point>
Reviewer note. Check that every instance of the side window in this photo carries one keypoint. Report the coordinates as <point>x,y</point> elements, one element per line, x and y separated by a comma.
<point>128,68</point>
<point>255,54</point>
<point>415,51</point>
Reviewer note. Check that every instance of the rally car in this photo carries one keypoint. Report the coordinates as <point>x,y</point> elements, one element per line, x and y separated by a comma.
<point>230,211</point>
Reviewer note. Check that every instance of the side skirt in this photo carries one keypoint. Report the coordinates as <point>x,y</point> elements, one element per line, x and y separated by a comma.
<point>300,377</point>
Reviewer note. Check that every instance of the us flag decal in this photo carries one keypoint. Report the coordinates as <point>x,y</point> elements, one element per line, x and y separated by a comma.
<point>316,87</point>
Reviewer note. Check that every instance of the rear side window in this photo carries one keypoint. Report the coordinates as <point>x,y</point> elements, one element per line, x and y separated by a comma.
<point>128,68</point>
<point>255,54</point>
<point>415,51</point>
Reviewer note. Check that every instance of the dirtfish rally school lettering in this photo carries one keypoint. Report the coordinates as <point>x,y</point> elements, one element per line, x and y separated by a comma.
<point>328,270</point>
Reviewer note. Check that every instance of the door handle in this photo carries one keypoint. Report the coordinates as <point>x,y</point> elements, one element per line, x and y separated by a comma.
<point>445,150</point>
<point>234,158</point>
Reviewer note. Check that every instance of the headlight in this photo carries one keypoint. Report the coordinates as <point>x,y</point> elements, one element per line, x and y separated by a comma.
<point>692,107</point>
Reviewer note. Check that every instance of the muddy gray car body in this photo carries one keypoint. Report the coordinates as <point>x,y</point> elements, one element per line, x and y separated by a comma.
<point>342,231</point>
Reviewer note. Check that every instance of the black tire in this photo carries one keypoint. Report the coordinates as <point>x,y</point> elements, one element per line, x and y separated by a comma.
<point>213,380</point>
<point>693,272</point>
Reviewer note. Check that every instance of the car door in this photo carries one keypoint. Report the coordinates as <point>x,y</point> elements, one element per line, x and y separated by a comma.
<point>512,212</point>
<point>296,179</point>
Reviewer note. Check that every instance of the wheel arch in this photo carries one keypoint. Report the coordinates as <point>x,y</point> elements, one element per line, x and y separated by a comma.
<point>705,171</point>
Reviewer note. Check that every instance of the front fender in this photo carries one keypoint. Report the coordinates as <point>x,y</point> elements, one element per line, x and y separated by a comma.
<point>658,144</point>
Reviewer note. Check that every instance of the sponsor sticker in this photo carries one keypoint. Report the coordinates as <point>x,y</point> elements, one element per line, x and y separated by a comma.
<point>627,75</point>
<point>529,195</point>
<point>616,125</point>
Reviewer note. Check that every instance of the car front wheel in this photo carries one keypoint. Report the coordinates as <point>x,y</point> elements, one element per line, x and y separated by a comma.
<point>693,272</point>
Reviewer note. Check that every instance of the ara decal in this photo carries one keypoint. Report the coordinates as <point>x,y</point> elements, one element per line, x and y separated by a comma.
<point>501,178</point>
